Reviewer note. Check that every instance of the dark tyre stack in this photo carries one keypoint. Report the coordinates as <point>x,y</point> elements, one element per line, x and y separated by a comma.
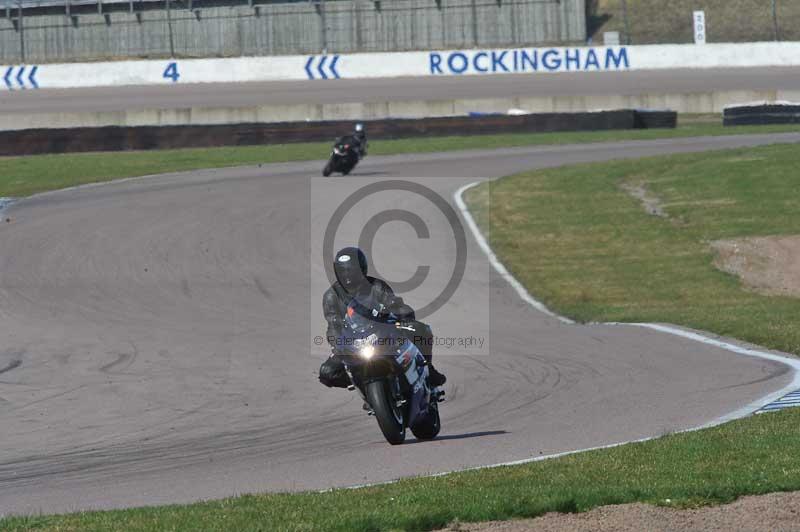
<point>754,115</point>
<point>645,119</point>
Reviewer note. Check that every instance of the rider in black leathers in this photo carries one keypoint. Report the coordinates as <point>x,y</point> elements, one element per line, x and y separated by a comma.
<point>350,267</point>
<point>360,134</point>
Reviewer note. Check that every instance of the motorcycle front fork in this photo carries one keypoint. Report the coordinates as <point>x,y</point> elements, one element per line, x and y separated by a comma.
<point>397,394</point>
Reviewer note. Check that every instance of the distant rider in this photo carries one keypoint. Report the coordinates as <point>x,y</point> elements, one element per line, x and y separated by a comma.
<point>352,282</point>
<point>360,134</point>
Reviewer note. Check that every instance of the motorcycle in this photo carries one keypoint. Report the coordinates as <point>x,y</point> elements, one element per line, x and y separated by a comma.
<point>344,157</point>
<point>391,375</point>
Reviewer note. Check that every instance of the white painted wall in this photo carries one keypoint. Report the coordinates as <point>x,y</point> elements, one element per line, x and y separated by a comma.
<point>453,62</point>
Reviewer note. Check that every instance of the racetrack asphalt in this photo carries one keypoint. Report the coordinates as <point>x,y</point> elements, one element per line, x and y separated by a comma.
<point>157,341</point>
<point>184,96</point>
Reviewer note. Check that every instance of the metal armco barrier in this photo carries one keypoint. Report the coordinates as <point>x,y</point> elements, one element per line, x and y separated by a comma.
<point>40,141</point>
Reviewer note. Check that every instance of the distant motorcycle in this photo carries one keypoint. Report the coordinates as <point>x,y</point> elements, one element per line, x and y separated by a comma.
<point>391,375</point>
<point>344,156</point>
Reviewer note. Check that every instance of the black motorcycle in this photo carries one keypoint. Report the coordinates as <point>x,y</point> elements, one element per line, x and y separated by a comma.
<point>391,375</point>
<point>344,157</point>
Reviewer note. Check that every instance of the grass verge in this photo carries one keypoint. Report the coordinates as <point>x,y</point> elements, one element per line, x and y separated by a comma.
<point>23,176</point>
<point>585,247</point>
<point>656,21</point>
<point>747,457</point>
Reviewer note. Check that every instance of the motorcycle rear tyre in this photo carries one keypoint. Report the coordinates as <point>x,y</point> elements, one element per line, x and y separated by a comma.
<point>379,397</point>
<point>428,428</point>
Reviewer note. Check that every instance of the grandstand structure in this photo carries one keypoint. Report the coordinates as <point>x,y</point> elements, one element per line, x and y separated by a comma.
<point>87,30</point>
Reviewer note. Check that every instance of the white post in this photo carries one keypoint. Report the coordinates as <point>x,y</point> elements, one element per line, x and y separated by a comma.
<point>699,27</point>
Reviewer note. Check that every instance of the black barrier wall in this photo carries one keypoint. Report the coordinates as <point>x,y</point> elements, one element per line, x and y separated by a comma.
<point>40,141</point>
<point>750,115</point>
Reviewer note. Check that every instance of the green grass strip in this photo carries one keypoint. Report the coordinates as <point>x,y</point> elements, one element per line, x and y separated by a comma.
<point>587,249</point>
<point>746,457</point>
<point>23,176</point>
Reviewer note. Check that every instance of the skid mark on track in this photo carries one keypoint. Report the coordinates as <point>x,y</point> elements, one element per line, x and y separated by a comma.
<point>12,365</point>
<point>187,291</point>
<point>122,358</point>
<point>13,358</point>
<point>778,372</point>
<point>262,288</point>
<point>54,396</point>
<point>172,453</point>
<point>480,363</point>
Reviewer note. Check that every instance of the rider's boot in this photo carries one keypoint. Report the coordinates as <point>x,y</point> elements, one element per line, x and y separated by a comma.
<point>434,377</point>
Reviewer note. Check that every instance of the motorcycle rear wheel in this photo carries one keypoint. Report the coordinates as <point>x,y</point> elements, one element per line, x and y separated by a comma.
<point>391,418</point>
<point>428,428</point>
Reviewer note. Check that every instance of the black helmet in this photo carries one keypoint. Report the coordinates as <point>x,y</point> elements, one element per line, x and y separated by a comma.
<point>350,267</point>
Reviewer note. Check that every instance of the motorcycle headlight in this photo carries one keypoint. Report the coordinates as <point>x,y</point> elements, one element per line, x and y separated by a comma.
<point>366,346</point>
<point>367,351</point>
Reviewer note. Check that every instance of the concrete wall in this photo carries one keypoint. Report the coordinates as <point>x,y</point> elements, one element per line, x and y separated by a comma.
<point>695,102</point>
<point>478,62</point>
<point>286,28</point>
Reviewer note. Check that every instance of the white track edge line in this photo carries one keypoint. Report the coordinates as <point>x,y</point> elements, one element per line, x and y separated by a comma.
<point>495,262</point>
<point>794,364</point>
<point>750,408</point>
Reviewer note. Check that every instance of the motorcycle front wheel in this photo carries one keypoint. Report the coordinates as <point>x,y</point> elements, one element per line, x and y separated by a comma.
<point>327,170</point>
<point>391,418</point>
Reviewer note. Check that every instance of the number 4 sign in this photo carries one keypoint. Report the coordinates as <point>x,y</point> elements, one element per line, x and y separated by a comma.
<point>171,72</point>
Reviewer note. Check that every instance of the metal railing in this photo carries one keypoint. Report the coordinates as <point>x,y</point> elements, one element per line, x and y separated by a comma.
<point>633,21</point>
<point>101,29</point>
<point>15,12</point>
